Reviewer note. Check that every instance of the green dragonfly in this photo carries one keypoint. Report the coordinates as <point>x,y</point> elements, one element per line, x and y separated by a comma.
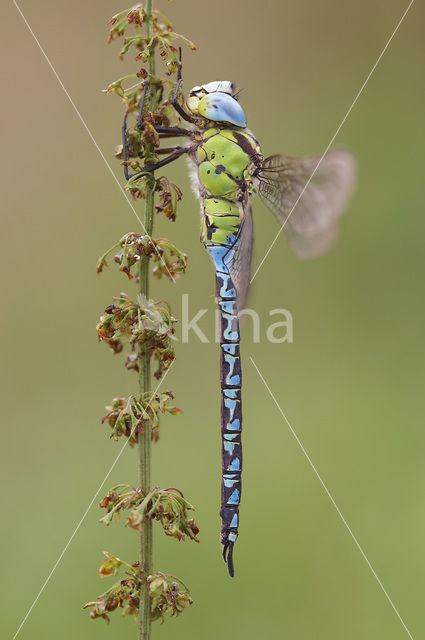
<point>308,197</point>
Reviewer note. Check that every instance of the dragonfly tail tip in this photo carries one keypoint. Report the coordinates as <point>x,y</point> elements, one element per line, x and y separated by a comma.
<point>228,557</point>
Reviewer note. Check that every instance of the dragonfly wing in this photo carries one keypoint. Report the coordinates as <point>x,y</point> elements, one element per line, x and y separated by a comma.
<point>240,269</point>
<point>308,197</point>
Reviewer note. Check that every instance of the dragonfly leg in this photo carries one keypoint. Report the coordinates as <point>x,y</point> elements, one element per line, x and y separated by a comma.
<point>124,146</point>
<point>166,150</point>
<point>142,106</point>
<point>174,100</point>
<point>175,152</point>
<point>163,132</point>
<point>139,126</point>
<point>172,132</point>
<point>178,151</point>
<point>177,106</point>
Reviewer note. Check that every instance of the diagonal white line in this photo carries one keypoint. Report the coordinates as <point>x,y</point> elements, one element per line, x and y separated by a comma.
<point>333,137</point>
<point>61,555</point>
<point>318,476</point>
<point>90,134</point>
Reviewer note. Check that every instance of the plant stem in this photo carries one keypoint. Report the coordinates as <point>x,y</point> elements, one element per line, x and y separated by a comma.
<point>145,546</point>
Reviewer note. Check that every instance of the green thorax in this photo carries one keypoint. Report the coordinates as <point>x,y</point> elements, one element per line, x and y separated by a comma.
<point>224,159</point>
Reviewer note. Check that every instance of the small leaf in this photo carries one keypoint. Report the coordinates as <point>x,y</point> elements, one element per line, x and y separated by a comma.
<point>110,566</point>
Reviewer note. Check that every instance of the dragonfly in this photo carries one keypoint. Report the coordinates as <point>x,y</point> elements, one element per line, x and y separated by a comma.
<point>308,197</point>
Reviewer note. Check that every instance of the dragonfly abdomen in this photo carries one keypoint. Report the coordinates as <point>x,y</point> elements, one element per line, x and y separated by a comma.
<point>231,404</point>
<point>220,223</point>
<point>231,422</point>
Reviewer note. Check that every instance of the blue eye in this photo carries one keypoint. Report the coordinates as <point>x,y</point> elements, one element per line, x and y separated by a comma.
<point>221,107</point>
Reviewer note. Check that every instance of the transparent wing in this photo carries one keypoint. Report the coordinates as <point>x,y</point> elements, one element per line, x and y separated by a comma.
<point>310,217</point>
<point>240,270</point>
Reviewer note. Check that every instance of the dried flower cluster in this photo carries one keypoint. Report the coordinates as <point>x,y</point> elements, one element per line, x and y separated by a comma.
<point>133,247</point>
<point>167,506</point>
<point>167,593</point>
<point>146,326</point>
<point>128,416</point>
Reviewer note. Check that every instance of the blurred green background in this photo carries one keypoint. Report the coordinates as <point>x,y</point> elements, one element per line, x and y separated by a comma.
<point>351,384</point>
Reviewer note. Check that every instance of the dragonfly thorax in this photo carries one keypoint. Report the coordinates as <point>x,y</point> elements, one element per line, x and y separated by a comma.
<point>225,159</point>
<point>216,102</point>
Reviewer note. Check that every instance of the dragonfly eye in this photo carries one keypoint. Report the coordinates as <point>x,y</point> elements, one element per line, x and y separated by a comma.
<point>222,107</point>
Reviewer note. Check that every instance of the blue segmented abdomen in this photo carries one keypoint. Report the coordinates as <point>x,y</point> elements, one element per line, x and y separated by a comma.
<point>231,404</point>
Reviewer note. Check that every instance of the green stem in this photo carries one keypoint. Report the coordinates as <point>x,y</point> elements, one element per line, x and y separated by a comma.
<point>145,547</point>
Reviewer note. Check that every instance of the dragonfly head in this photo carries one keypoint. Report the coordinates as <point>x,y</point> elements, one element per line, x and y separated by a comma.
<point>216,101</point>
